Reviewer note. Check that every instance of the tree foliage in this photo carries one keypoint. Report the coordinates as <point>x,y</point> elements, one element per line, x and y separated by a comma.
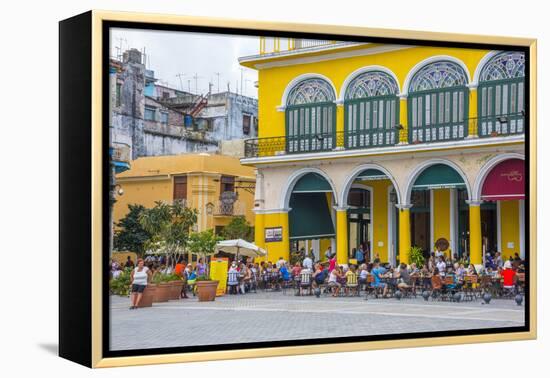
<point>131,235</point>
<point>238,228</point>
<point>169,226</point>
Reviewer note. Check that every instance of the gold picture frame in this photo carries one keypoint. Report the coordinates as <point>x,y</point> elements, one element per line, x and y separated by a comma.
<point>95,20</point>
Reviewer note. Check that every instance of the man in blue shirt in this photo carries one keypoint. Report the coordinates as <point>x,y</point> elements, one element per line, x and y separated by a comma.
<point>377,272</point>
<point>359,256</point>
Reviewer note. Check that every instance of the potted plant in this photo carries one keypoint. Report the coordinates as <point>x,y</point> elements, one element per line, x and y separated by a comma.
<point>206,288</point>
<point>162,287</point>
<point>204,244</point>
<point>416,256</point>
<point>148,296</point>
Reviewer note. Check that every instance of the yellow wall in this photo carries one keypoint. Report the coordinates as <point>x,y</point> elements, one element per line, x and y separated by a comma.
<point>442,214</point>
<point>273,81</point>
<point>144,192</point>
<point>282,248</point>
<point>380,217</point>
<point>141,184</point>
<point>509,223</point>
<point>323,246</point>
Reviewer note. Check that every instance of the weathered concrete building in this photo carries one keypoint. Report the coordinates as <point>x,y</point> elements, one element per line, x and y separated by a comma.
<point>150,119</point>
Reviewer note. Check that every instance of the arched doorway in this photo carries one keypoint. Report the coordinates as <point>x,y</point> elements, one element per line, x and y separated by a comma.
<point>502,186</point>
<point>369,198</point>
<point>311,216</point>
<point>438,192</point>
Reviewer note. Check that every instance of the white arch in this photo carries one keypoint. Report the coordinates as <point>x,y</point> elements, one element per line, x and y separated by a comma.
<point>486,58</point>
<point>293,179</point>
<point>363,70</point>
<point>428,163</point>
<point>425,62</point>
<point>343,200</point>
<point>298,79</point>
<point>489,165</point>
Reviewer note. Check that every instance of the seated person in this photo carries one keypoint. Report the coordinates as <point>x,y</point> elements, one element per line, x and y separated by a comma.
<point>403,278</point>
<point>351,278</point>
<point>509,276</point>
<point>333,281</point>
<point>378,273</point>
<point>319,276</point>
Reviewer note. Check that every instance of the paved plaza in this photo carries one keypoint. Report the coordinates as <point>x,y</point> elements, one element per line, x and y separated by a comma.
<point>276,316</point>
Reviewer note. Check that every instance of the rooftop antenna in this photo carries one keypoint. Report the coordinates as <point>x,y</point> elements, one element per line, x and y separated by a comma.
<point>196,77</point>
<point>218,75</point>
<point>189,85</point>
<point>179,76</point>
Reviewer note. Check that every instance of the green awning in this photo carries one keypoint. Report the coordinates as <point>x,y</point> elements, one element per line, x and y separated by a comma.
<point>371,174</point>
<point>438,176</point>
<point>310,217</point>
<point>312,183</point>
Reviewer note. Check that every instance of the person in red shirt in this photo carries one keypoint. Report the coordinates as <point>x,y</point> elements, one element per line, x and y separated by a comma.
<point>296,270</point>
<point>508,275</point>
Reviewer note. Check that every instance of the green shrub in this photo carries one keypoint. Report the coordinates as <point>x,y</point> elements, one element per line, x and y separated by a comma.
<point>121,284</point>
<point>416,256</point>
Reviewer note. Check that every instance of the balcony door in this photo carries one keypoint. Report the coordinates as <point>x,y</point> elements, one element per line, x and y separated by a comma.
<point>501,95</point>
<point>371,111</point>
<point>311,117</point>
<point>438,103</point>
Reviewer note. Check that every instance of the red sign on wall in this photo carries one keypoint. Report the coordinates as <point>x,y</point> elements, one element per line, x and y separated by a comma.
<point>506,181</point>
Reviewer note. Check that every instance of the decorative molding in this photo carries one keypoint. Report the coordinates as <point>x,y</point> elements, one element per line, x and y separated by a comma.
<point>474,202</point>
<point>429,60</point>
<point>272,211</point>
<point>489,165</point>
<point>403,206</point>
<point>297,80</point>
<point>350,178</point>
<point>358,72</point>
<point>324,57</point>
<point>486,58</point>
<point>428,163</point>
<point>293,179</point>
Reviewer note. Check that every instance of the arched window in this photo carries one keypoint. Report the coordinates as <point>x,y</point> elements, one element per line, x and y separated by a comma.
<point>501,95</point>
<point>311,116</point>
<point>371,110</point>
<point>438,103</point>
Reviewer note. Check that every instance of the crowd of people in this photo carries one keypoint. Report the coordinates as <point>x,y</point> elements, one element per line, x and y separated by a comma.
<point>244,275</point>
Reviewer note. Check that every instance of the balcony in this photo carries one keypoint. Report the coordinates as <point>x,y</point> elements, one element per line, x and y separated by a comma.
<point>228,209</point>
<point>271,45</point>
<point>470,129</point>
<point>120,154</point>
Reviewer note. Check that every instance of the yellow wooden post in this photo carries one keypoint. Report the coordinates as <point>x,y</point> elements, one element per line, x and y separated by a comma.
<point>404,233</point>
<point>475,233</point>
<point>342,236</point>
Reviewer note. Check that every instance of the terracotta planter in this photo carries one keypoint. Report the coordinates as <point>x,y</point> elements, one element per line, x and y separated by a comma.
<point>206,290</point>
<point>162,292</point>
<point>148,296</point>
<point>175,290</point>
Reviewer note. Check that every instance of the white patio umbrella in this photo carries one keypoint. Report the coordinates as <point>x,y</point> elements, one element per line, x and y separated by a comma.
<point>240,247</point>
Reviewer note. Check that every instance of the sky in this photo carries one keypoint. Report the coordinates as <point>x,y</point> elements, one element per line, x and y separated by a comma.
<point>177,57</point>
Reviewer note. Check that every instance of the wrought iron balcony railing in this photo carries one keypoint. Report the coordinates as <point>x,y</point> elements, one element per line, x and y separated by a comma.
<point>486,127</point>
<point>223,208</point>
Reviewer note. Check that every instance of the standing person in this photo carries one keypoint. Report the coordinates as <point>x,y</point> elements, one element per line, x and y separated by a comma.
<point>280,263</point>
<point>328,253</point>
<point>201,268</point>
<point>332,264</point>
<point>308,263</point>
<point>441,265</point>
<point>129,263</point>
<point>498,260</point>
<point>140,276</point>
<point>359,256</point>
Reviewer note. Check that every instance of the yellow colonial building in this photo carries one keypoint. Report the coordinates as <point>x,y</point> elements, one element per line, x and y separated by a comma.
<point>388,146</point>
<point>218,186</point>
